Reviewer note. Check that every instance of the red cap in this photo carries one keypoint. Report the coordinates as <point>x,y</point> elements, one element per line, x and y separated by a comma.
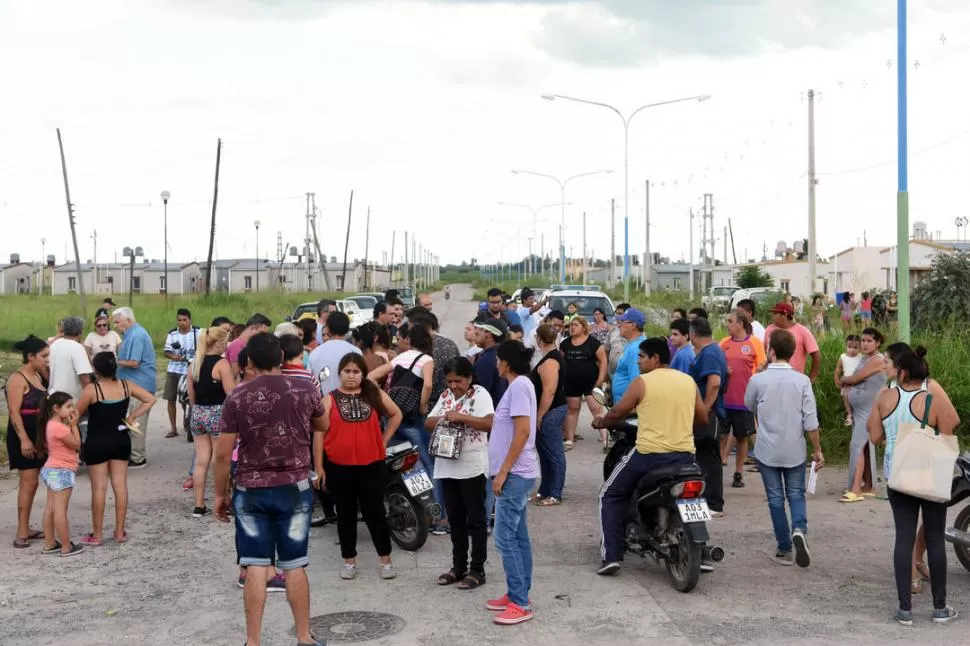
<point>783,308</point>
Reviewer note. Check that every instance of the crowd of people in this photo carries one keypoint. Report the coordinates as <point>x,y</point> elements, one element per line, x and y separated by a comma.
<point>305,414</point>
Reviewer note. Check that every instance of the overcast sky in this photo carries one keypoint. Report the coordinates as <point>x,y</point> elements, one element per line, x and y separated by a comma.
<point>423,108</point>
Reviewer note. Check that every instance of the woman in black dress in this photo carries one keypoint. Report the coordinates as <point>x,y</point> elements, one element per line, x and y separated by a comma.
<point>107,446</point>
<point>585,369</point>
<point>25,392</point>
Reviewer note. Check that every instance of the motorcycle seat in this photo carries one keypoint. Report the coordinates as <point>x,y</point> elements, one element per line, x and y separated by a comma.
<point>667,473</point>
<point>400,447</point>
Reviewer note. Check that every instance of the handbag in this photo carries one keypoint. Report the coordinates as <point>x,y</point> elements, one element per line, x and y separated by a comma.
<point>447,439</point>
<point>923,460</point>
<point>405,390</point>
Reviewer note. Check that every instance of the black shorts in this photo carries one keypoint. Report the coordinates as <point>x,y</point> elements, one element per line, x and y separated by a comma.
<point>579,387</point>
<point>740,423</point>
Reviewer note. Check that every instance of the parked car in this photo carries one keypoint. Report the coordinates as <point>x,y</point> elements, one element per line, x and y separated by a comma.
<point>718,299</point>
<point>366,303</point>
<point>586,297</point>
<point>348,307</point>
<point>768,295</point>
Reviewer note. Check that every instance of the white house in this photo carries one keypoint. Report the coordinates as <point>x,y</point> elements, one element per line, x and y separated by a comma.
<point>856,270</point>
<point>921,256</point>
<point>118,278</point>
<point>17,277</point>
<point>792,276</point>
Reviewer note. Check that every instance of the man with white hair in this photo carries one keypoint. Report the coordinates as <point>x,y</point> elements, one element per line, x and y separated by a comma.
<point>136,363</point>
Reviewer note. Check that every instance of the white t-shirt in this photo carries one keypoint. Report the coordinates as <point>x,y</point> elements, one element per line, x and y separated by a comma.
<point>473,461</point>
<point>850,364</point>
<point>98,343</point>
<point>759,331</point>
<point>68,359</point>
<point>407,358</point>
<point>186,347</point>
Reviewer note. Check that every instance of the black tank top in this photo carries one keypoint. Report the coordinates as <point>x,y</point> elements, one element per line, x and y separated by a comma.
<point>559,399</point>
<point>209,392</point>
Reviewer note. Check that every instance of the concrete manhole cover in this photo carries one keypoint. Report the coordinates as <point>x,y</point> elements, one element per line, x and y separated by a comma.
<point>344,627</point>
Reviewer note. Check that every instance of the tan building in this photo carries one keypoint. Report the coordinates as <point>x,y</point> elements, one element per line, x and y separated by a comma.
<point>18,277</point>
<point>119,278</point>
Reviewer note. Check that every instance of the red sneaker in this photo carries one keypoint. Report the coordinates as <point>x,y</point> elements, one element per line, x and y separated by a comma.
<point>188,484</point>
<point>498,605</point>
<point>512,615</point>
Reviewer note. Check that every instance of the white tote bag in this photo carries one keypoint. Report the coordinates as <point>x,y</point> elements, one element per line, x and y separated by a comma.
<point>923,460</point>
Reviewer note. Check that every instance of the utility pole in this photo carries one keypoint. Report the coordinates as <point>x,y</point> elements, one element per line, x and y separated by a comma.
<point>366,247</point>
<point>391,264</point>
<point>585,270</point>
<point>321,259</point>
<point>902,172</point>
<point>812,181</point>
<point>647,260</point>
<point>94,277</point>
<point>406,272</point>
<point>707,240</point>
<point>613,243</point>
<point>725,244</point>
<point>70,217</point>
<point>690,279</point>
<point>734,254</point>
<point>306,242</point>
<point>350,210</point>
<point>212,230</point>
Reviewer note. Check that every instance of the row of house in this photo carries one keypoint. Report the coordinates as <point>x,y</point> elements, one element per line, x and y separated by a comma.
<point>855,269</point>
<point>231,275</point>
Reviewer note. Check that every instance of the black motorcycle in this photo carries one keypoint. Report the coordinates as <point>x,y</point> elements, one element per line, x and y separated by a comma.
<point>666,519</point>
<point>959,534</point>
<point>409,498</point>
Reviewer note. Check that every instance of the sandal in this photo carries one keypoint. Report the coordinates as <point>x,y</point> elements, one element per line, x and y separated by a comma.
<point>924,571</point>
<point>917,586</point>
<point>567,446</point>
<point>35,535</point>
<point>449,577</point>
<point>21,543</point>
<point>471,581</point>
<point>578,437</point>
<point>123,539</point>
<point>171,434</point>
<point>535,499</point>
<point>91,541</point>
<point>549,502</point>
<point>848,496</point>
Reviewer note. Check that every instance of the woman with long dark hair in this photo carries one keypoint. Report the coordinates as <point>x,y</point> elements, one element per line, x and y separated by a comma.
<point>586,364</point>
<point>866,382</point>
<point>459,424</point>
<point>25,392</point>
<point>548,378</point>
<point>107,446</point>
<point>354,470</point>
<point>908,401</point>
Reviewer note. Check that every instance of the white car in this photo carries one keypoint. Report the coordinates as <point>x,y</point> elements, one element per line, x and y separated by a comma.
<point>757,294</point>
<point>719,297</point>
<point>366,303</point>
<point>586,297</point>
<point>352,310</point>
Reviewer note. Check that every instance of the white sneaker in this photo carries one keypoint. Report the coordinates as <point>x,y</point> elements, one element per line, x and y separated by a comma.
<point>387,571</point>
<point>349,572</point>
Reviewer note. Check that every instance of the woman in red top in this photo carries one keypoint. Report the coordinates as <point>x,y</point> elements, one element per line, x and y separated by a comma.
<point>354,471</point>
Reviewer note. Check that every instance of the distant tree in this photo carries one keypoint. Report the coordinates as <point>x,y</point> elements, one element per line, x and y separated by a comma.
<point>753,276</point>
<point>464,263</point>
<point>943,297</point>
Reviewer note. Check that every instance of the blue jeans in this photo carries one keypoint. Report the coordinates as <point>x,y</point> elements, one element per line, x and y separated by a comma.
<point>273,521</point>
<point>414,433</point>
<point>781,483</point>
<point>552,456</point>
<point>512,537</point>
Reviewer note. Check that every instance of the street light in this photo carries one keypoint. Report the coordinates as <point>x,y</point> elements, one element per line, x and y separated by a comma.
<point>562,202</point>
<point>535,223</point>
<point>131,254</point>
<point>626,179</point>
<point>256,224</point>
<point>165,196</point>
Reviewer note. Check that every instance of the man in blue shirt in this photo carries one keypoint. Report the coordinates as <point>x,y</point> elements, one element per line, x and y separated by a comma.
<point>709,370</point>
<point>630,325</point>
<point>136,363</point>
<point>490,334</point>
<point>679,341</point>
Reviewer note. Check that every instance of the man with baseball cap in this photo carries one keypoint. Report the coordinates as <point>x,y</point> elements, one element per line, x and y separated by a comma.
<point>490,334</point>
<point>105,310</point>
<point>630,324</point>
<point>783,317</point>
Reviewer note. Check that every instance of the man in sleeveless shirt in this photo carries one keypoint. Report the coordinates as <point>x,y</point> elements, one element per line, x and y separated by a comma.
<point>668,405</point>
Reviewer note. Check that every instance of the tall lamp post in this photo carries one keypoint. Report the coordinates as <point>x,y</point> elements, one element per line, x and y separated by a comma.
<point>131,253</point>
<point>256,224</point>
<point>626,179</point>
<point>562,202</point>
<point>165,197</point>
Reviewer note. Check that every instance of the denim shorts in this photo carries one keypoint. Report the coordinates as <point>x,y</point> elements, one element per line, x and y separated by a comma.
<point>273,521</point>
<point>57,479</point>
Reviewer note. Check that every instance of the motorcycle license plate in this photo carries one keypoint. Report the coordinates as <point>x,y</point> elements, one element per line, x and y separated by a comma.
<point>693,511</point>
<point>417,481</point>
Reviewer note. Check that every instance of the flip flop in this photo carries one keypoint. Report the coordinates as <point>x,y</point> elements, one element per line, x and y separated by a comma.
<point>869,494</point>
<point>123,539</point>
<point>850,497</point>
<point>172,434</point>
<point>35,535</point>
<point>549,502</point>
<point>21,543</point>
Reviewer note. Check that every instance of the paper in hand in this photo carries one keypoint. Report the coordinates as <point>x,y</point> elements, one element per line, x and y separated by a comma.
<point>812,478</point>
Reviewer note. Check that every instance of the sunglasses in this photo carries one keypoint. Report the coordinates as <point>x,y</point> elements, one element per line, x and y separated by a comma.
<point>101,325</point>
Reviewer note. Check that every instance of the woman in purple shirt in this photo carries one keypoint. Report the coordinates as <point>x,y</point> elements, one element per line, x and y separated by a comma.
<point>514,467</point>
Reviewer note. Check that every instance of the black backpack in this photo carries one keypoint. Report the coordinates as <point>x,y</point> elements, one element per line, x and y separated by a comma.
<point>405,390</point>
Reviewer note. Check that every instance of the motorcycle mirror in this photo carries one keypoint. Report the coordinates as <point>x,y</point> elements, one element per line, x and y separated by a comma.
<point>599,396</point>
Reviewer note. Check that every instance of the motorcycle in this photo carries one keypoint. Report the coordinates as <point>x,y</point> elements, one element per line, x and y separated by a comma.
<point>666,518</point>
<point>408,499</point>
<point>959,534</point>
